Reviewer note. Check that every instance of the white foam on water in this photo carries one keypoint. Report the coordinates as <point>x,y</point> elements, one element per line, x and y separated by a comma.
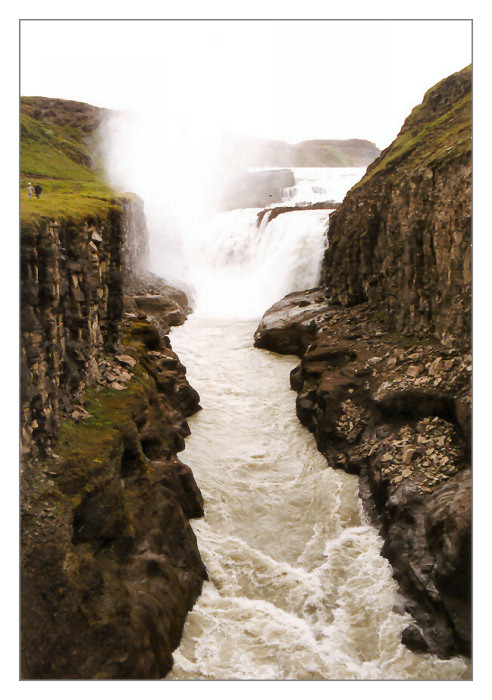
<point>298,588</point>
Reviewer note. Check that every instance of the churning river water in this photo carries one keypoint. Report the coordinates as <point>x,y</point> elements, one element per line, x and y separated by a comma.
<point>298,588</point>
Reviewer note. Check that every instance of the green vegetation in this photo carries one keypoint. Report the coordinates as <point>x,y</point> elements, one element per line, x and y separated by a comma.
<point>429,135</point>
<point>63,160</point>
<point>318,154</point>
<point>88,448</point>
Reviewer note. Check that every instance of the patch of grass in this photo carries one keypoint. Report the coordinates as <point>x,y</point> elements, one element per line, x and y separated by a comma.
<point>63,160</point>
<point>76,206</point>
<point>91,449</point>
<point>426,140</point>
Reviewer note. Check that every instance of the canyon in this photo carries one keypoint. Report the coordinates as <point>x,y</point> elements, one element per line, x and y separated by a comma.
<point>110,565</point>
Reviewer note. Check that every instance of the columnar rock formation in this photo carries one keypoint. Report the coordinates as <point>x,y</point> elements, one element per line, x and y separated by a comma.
<point>384,381</point>
<point>71,308</point>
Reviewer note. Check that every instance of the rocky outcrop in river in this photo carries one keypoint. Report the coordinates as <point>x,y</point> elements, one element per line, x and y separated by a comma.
<point>384,379</point>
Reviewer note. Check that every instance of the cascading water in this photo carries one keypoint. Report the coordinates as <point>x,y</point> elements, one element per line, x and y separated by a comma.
<point>238,269</point>
<point>297,589</point>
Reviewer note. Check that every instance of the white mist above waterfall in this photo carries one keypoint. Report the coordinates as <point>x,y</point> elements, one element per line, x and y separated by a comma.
<point>234,267</point>
<point>175,168</point>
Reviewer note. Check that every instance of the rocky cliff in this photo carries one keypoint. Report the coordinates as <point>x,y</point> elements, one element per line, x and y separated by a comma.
<point>109,562</point>
<point>384,380</point>
<point>402,236</point>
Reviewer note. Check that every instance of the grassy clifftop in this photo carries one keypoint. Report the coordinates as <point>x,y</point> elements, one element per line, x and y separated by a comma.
<point>437,131</point>
<point>59,151</point>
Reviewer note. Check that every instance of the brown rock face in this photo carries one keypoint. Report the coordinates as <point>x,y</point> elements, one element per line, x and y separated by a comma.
<point>384,381</point>
<point>71,307</point>
<point>110,565</point>
<point>109,562</point>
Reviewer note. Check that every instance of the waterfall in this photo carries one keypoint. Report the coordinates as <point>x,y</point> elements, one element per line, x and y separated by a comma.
<point>239,269</point>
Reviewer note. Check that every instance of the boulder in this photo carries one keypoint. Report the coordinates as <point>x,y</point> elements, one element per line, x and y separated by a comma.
<point>290,325</point>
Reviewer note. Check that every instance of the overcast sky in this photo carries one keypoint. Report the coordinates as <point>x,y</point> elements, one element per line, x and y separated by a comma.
<point>290,80</point>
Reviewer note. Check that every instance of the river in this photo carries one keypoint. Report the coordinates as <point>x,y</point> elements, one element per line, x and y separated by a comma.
<point>298,588</point>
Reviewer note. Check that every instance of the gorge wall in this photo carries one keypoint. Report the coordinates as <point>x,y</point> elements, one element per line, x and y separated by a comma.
<point>403,236</point>
<point>71,309</point>
<point>384,381</point>
<point>109,562</point>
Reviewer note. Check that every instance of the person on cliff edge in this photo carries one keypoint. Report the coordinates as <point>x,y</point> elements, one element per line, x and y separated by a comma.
<point>38,189</point>
<point>30,190</point>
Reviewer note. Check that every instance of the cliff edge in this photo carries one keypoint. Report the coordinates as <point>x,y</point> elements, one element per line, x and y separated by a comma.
<point>402,237</point>
<point>109,561</point>
<point>384,382</point>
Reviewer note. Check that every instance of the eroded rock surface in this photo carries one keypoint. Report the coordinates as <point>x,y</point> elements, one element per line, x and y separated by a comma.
<point>289,326</point>
<point>395,410</point>
<point>110,565</point>
<point>402,236</point>
<point>109,561</point>
<point>273,212</point>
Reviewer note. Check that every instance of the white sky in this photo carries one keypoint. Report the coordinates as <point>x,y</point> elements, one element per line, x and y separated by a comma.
<point>291,80</point>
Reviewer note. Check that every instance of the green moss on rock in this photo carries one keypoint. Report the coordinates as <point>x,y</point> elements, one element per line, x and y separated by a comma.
<point>436,132</point>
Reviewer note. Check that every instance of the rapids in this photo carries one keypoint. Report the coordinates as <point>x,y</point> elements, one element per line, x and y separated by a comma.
<point>298,588</point>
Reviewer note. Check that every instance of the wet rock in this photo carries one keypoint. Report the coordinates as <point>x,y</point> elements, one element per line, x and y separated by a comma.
<point>413,638</point>
<point>273,212</point>
<point>289,326</point>
<point>162,306</point>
